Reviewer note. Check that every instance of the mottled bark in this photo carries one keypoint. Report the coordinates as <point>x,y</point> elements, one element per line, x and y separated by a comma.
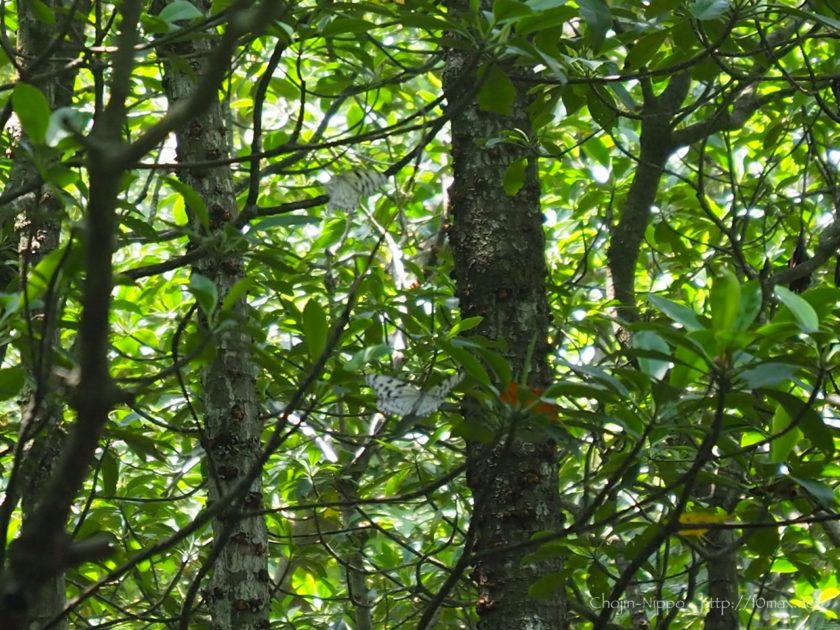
<point>722,563</point>
<point>723,583</point>
<point>38,228</point>
<point>498,245</point>
<point>238,593</point>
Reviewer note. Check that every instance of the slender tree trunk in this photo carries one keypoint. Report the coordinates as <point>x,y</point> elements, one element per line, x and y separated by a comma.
<point>238,594</point>
<point>38,228</point>
<point>498,245</point>
<point>722,567</point>
<point>656,146</point>
<point>723,584</point>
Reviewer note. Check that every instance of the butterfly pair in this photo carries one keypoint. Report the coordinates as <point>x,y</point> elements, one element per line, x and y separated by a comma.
<point>398,397</point>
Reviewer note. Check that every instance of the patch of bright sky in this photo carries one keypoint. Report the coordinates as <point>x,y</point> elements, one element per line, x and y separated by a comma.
<point>600,173</point>
<point>587,355</point>
<point>662,282</point>
<point>677,156</point>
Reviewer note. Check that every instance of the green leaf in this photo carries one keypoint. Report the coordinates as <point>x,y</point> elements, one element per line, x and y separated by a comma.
<point>110,473</point>
<point>814,428</point>
<point>768,375</point>
<point>580,390</point>
<point>823,493</point>
<point>428,22</point>
<point>141,444</point>
<point>497,92</point>
<point>473,430</point>
<point>547,585</point>
<point>750,305</point>
<point>331,233</point>
<point>63,123</point>
<point>705,10</point>
<point>545,19</point>
<point>725,300</point>
<point>644,48</point>
<point>33,110</point>
<point>689,366</point>
<point>154,25</point>
<point>810,422</point>
<point>598,583</point>
<point>601,107</point>
<point>179,10</point>
<point>781,447</point>
<point>824,301</point>
<point>803,313</point>
<point>497,362</point>
<point>192,199</point>
<point>466,360</point>
<point>285,220</point>
<point>57,263</point>
<point>236,291</point>
<point>11,382</point>
<point>514,177</point>
<point>814,16</point>
<point>624,96</point>
<point>505,9</point>
<point>218,6</point>
<point>763,541</point>
<point>648,340</point>
<point>42,12</point>
<point>598,18</point>
<point>545,5</point>
<point>462,326</point>
<point>677,312</point>
<point>315,328</point>
<point>10,304</point>
<point>205,292</point>
<point>346,25</point>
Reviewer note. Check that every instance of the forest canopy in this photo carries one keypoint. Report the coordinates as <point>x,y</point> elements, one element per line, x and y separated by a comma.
<point>361,315</point>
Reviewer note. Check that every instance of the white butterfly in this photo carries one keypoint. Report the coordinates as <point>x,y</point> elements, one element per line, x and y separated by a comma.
<point>401,398</point>
<point>347,188</point>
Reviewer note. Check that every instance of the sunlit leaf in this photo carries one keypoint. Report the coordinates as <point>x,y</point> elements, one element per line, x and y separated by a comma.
<point>708,9</point>
<point>497,92</point>
<point>803,312</point>
<point>33,110</point>
<point>598,18</point>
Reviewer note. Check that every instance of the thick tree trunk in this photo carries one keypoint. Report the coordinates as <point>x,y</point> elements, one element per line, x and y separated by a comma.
<point>498,245</point>
<point>238,594</point>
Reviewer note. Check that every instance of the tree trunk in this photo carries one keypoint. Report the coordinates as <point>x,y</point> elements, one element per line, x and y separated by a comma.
<point>498,246</point>
<point>37,225</point>
<point>238,594</point>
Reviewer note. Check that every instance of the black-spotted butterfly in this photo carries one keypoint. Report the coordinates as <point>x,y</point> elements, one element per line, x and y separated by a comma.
<point>398,397</point>
<point>346,189</point>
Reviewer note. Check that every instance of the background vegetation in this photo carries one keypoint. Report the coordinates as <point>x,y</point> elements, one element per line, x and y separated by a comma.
<point>219,217</point>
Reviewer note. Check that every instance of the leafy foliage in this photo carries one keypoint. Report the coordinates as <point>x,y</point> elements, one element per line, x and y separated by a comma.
<point>719,399</point>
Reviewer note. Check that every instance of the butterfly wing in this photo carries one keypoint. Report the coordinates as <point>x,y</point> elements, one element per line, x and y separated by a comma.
<point>441,390</point>
<point>393,395</point>
<point>401,398</point>
<point>431,399</point>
